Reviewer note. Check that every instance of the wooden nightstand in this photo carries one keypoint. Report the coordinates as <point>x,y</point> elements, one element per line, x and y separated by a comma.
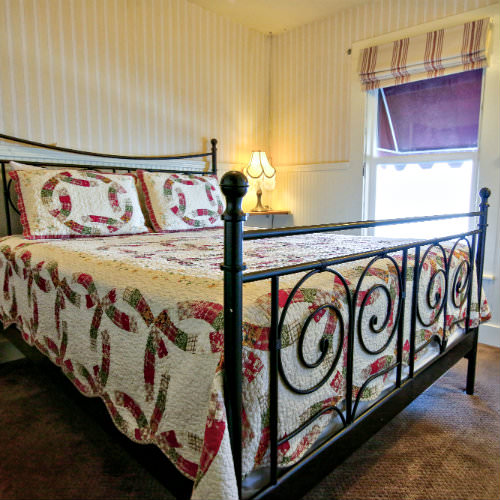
<point>269,219</point>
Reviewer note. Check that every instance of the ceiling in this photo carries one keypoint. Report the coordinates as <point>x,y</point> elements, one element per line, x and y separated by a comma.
<point>276,16</point>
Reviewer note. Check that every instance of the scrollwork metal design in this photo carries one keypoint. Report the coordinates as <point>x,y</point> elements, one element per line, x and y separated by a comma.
<point>324,345</point>
<point>461,283</point>
<point>305,425</point>
<point>389,308</point>
<point>366,383</point>
<point>435,300</point>
<point>434,338</point>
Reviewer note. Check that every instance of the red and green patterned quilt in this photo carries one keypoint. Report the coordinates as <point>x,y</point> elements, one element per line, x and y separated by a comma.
<point>138,321</point>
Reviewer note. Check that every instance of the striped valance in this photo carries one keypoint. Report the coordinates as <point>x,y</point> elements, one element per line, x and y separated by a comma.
<point>437,53</point>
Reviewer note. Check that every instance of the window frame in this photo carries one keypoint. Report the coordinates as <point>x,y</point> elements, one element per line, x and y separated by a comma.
<point>489,127</point>
<point>359,100</point>
<point>372,158</point>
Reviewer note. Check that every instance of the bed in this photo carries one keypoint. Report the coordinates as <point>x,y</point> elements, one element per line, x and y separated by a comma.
<point>287,351</point>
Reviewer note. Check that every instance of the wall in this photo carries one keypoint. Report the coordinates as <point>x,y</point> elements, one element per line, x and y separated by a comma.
<point>311,75</point>
<point>317,117</point>
<point>156,76</point>
<point>489,175</point>
<point>132,76</point>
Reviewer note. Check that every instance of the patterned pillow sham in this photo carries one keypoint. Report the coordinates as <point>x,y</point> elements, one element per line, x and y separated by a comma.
<point>74,203</point>
<point>177,202</point>
<point>14,165</point>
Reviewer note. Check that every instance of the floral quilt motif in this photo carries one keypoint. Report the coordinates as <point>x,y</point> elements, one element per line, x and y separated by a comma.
<point>55,203</point>
<point>128,321</point>
<point>182,201</point>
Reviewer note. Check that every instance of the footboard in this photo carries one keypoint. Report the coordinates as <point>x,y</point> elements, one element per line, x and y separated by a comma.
<point>431,288</point>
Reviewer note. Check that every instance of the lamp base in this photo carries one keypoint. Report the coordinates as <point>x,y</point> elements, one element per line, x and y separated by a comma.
<point>259,207</point>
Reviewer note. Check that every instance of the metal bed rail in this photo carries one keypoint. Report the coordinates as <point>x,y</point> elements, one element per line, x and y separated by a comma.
<point>401,257</point>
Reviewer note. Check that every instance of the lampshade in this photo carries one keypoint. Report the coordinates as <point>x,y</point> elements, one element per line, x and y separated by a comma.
<point>261,175</point>
<point>260,171</point>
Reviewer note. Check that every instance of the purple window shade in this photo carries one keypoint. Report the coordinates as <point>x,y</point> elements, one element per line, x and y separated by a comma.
<point>438,113</point>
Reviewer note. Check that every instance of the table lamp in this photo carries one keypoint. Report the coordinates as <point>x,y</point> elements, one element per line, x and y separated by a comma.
<point>261,175</point>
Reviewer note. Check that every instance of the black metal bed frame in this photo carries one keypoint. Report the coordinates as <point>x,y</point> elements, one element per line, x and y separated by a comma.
<point>357,427</point>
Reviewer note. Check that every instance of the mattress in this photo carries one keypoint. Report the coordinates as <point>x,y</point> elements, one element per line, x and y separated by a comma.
<point>138,321</point>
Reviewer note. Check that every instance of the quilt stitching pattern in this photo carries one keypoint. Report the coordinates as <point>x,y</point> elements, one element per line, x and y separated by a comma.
<point>40,292</point>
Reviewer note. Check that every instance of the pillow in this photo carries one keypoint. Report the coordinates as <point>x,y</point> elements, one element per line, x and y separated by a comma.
<point>14,165</point>
<point>182,201</point>
<point>73,203</point>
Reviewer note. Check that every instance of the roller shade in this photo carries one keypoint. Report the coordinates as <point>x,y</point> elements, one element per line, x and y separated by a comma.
<point>436,114</point>
<point>437,53</point>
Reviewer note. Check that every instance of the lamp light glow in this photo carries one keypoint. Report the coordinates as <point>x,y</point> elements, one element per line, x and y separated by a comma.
<point>261,175</point>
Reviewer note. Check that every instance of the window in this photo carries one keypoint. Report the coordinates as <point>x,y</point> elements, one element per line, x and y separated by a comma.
<point>421,154</point>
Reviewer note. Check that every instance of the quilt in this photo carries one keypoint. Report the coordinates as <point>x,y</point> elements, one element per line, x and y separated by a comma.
<point>138,321</point>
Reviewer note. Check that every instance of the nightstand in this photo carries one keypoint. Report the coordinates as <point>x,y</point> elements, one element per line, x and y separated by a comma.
<point>269,219</point>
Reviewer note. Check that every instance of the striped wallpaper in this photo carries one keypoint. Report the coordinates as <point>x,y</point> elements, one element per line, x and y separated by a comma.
<point>157,76</point>
<point>164,76</point>
<point>318,179</point>
<point>311,75</point>
<point>132,76</point>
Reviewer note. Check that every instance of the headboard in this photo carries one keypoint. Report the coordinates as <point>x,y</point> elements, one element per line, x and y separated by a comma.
<point>37,153</point>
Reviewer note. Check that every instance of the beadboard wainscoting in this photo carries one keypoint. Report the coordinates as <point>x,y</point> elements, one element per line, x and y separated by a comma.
<point>318,193</point>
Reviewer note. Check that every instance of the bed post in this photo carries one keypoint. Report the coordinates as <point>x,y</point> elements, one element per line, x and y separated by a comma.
<point>214,156</point>
<point>483,223</point>
<point>234,186</point>
<point>6,196</point>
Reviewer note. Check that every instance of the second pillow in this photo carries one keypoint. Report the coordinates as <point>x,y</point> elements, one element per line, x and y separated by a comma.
<point>182,201</point>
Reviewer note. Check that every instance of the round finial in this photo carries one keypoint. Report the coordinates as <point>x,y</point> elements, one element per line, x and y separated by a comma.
<point>213,142</point>
<point>234,183</point>
<point>485,193</point>
<point>234,186</point>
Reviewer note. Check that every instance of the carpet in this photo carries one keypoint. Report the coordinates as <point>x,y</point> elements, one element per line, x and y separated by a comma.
<point>445,445</point>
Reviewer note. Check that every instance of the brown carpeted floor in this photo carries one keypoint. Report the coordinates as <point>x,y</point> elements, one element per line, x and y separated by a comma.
<point>445,445</point>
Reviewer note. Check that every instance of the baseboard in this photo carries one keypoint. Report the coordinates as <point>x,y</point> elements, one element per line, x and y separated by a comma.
<point>490,334</point>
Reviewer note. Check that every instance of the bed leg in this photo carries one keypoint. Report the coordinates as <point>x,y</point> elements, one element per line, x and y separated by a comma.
<point>471,368</point>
